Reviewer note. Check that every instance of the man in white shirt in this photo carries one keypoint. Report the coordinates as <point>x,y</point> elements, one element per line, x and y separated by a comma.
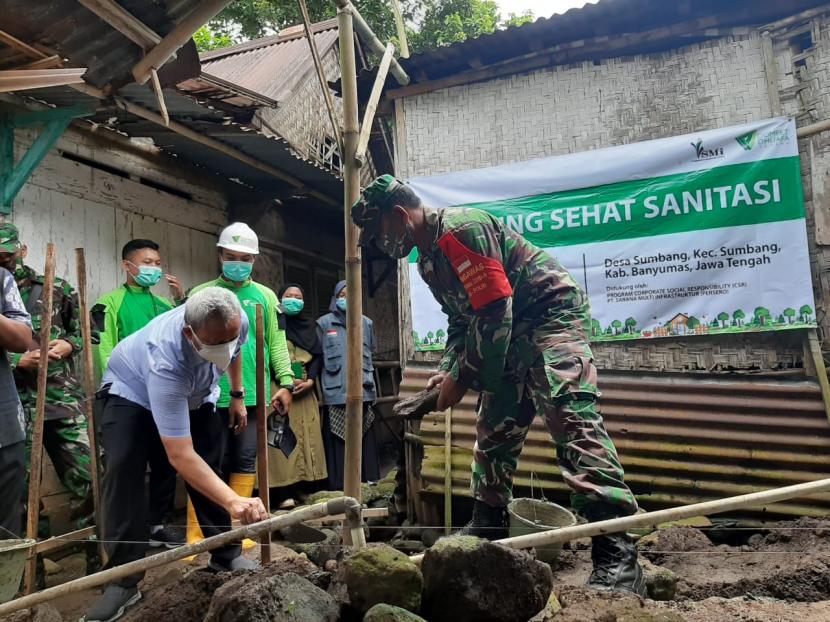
<point>160,391</point>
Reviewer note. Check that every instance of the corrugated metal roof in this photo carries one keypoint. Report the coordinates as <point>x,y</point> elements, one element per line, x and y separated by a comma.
<point>271,66</point>
<point>681,439</point>
<point>607,18</point>
<point>86,40</point>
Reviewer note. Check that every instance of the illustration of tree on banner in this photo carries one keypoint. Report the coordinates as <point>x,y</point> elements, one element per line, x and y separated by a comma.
<point>596,328</point>
<point>789,313</point>
<point>630,325</point>
<point>762,316</point>
<point>738,316</point>
<point>616,324</point>
<point>781,319</point>
<point>723,318</point>
<point>430,337</point>
<point>440,335</point>
<point>609,330</point>
<point>805,312</point>
<point>692,323</point>
<point>415,337</point>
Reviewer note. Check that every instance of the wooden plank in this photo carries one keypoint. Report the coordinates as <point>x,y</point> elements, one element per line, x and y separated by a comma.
<point>771,71</point>
<point>25,79</point>
<point>165,116</point>
<point>68,539</point>
<point>821,369</point>
<point>17,44</point>
<point>43,63</point>
<point>372,104</point>
<point>124,22</point>
<point>36,460</point>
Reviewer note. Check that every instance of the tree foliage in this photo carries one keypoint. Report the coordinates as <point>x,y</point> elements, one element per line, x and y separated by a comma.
<point>430,23</point>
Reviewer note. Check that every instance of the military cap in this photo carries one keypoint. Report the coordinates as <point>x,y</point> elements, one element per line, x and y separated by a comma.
<point>9,238</point>
<point>373,201</point>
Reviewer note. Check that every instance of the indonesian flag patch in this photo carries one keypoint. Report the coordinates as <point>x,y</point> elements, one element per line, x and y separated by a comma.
<point>483,277</point>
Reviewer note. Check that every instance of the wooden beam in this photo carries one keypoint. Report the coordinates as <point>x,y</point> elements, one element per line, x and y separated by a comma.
<point>771,71</point>
<point>821,369</point>
<point>124,22</point>
<point>68,539</point>
<point>181,34</point>
<point>25,79</point>
<point>43,63</point>
<point>14,42</point>
<point>372,104</point>
<point>165,116</point>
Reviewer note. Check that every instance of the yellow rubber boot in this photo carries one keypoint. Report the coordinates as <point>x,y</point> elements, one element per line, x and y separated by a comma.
<point>194,531</point>
<point>243,485</point>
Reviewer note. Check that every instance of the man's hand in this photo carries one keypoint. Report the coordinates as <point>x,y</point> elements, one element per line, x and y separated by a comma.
<point>301,387</point>
<point>30,360</point>
<point>281,402</point>
<point>237,415</point>
<point>59,349</point>
<point>451,393</point>
<point>436,380</point>
<point>247,510</point>
<point>176,289</point>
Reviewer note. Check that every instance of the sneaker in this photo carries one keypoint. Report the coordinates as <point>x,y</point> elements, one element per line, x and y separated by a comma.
<point>615,565</point>
<point>167,537</point>
<point>237,563</point>
<point>488,522</point>
<point>113,603</point>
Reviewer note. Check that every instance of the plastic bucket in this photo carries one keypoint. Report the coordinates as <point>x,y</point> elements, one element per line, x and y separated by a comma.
<point>534,516</point>
<point>13,554</point>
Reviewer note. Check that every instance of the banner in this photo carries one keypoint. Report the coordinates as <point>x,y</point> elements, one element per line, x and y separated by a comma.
<point>690,235</point>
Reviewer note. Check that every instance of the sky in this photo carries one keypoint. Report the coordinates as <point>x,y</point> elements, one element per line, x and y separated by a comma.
<point>540,8</point>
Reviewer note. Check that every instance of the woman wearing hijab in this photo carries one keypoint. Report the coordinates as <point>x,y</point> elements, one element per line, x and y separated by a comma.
<point>307,463</point>
<point>331,329</point>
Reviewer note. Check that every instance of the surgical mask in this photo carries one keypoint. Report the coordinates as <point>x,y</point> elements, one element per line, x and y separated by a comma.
<point>147,275</point>
<point>220,354</point>
<point>237,271</point>
<point>341,304</point>
<point>397,248</point>
<point>292,306</point>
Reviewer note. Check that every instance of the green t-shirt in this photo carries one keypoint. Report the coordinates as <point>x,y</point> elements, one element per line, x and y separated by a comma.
<point>277,361</point>
<point>119,314</point>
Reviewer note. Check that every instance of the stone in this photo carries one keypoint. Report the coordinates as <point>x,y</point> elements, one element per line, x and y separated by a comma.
<point>320,552</point>
<point>661,583</point>
<point>40,613</point>
<point>322,495</point>
<point>278,598</point>
<point>380,574</point>
<point>389,613</point>
<point>50,567</point>
<point>467,579</point>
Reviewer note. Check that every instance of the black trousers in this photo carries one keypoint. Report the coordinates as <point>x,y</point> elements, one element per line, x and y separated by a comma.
<point>239,454</point>
<point>12,487</point>
<point>131,441</point>
<point>162,490</point>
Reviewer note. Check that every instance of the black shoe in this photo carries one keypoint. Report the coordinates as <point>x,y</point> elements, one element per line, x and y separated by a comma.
<point>167,537</point>
<point>488,522</point>
<point>112,604</point>
<point>615,565</point>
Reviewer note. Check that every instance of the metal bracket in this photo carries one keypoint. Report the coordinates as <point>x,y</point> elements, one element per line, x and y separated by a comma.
<point>14,176</point>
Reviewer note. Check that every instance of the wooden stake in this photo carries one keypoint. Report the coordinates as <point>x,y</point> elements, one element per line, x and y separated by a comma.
<point>89,392</point>
<point>262,434</point>
<point>448,471</point>
<point>36,458</point>
<point>354,316</point>
<point>651,519</point>
<point>821,369</point>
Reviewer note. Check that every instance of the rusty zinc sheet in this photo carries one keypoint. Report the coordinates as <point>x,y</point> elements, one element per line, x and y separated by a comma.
<point>682,439</point>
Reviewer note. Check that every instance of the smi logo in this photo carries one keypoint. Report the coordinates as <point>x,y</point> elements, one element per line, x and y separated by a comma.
<point>705,154</point>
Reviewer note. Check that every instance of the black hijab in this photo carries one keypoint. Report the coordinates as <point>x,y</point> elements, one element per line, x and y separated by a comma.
<point>301,329</point>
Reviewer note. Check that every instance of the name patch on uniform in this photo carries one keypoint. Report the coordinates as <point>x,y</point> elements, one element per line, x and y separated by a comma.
<point>483,277</point>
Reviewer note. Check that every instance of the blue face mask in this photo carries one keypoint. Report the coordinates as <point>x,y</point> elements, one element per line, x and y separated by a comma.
<point>292,306</point>
<point>147,276</point>
<point>237,271</point>
<point>341,304</point>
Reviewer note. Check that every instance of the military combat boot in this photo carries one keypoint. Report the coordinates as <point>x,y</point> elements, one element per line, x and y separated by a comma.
<point>488,522</point>
<point>615,565</point>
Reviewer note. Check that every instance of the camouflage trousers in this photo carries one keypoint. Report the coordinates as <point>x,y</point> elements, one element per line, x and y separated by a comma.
<point>562,390</point>
<point>67,443</point>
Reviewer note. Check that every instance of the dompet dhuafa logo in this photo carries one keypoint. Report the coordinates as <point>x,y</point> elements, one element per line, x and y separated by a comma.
<point>748,140</point>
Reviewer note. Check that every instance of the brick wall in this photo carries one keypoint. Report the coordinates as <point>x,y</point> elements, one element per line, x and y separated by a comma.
<point>575,108</point>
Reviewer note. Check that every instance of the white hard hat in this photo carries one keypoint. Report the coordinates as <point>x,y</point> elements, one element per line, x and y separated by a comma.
<point>240,238</point>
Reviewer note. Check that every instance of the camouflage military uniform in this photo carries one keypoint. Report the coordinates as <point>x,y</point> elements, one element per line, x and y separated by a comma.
<point>517,334</point>
<point>64,432</point>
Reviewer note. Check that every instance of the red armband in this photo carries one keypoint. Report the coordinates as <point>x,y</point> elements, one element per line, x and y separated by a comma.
<point>483,278</point>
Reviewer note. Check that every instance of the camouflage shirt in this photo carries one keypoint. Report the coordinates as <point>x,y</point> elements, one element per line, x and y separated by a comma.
<point>63,391</point>
<point>507,301</point>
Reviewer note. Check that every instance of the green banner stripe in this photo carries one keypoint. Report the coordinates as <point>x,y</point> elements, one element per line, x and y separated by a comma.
<point>724,196</point>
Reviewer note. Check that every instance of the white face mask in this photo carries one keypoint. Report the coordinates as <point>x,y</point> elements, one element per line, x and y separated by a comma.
<point>220,354</point>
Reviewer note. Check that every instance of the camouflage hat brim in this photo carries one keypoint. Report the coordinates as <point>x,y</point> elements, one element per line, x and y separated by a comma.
<point>9,247</point>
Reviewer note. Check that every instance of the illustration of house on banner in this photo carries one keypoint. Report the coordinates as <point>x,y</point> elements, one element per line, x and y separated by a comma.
<point>679,324</point>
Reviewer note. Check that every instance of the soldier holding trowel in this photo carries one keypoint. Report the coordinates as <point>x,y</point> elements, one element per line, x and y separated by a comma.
<point>517,334</point>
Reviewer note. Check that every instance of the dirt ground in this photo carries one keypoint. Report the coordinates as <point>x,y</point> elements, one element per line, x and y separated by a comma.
<point>781,574</point>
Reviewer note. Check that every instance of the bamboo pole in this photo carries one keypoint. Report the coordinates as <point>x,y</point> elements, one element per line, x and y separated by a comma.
<point>89,391</point>
<point>817,357</point>
<point>651,519</point>
<point>36,458</point>
<point>339,505</point>
<point>321,76</point>
<point>448,471</point>
<point>372,104</point>
<point>354,315</point>
<point>396,9</point>
<point>262,434</point>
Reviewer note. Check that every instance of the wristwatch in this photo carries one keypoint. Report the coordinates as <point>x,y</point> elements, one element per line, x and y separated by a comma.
<point>238,395</point>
